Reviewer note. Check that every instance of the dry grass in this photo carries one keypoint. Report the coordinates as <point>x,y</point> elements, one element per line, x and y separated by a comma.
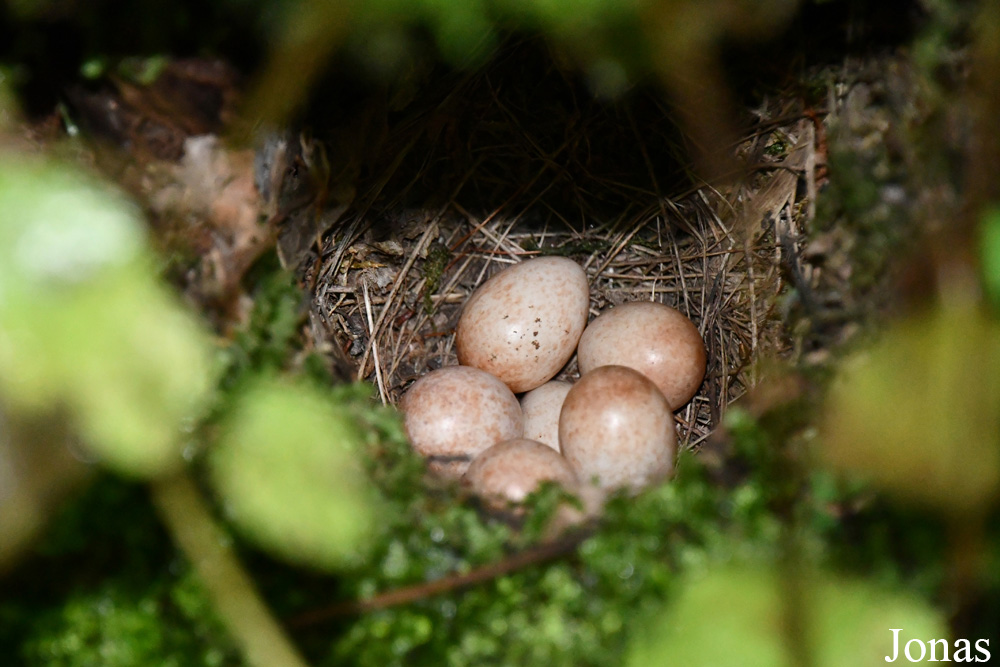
<point>557,174</point>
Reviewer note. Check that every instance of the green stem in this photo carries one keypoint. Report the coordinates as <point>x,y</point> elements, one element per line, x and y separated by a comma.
<point>231,590</point>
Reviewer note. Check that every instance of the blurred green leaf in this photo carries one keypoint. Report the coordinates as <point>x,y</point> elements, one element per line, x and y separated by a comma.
<point>288,466</point>
<point>990,253</point>
<point>919,414</point>
<point>740,616</point>
<point>59,230</point>
<point>149,378</point>
<point>94,68</point>
<point>8,105</point>
<point>143,71</point>
<point>577,17</point>
<point>85,324</point>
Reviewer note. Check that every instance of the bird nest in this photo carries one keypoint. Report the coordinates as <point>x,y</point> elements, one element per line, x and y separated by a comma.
<point>485,175</point>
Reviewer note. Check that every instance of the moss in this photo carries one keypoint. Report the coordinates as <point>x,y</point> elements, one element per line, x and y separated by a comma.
<point>438,258</point>
<point>169,622</point>
<point>576,610</point>
<point>269,340</point>
<point>777,146</point>
<point>106,587</point>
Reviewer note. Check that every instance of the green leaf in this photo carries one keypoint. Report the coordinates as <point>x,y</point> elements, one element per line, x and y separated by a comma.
<point>288,466</point>
<point>990,252</point>
<point>919,414</point>
<point>86,326</point>
<point>149,377</point>
<point>60,229</point>
<point>743,616</point>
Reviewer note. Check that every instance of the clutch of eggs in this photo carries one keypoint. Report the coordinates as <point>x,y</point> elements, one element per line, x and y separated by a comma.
<point>614,427</point>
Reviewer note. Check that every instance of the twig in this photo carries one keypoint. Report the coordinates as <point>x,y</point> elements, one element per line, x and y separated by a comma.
<point>405,595</point>
<point>374,344</point>
<point>260,638</point>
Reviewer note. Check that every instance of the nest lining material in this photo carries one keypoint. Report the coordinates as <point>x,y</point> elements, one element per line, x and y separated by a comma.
<point>391,301</point>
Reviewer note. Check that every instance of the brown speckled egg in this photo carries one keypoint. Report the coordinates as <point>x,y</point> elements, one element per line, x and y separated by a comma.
<point>509,471</point>
<point>655,340</point>
<point>616,426</point>
<point>452,414</point>
<point>523,324</point>
<point>541,408</point>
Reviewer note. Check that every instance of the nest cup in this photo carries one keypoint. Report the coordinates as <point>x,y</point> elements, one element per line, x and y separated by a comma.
<point>390,286</point>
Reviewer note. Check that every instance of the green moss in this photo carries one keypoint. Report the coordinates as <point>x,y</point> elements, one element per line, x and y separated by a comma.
<point>777,146</point>
<point>438,258</point>
<point>576,610</point>
<point>106,587</point>
<point>270,338</point>
<point>169,622</point>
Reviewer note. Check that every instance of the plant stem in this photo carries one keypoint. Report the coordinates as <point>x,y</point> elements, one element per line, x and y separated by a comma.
<point>183,510</point>
<point>423,590</point>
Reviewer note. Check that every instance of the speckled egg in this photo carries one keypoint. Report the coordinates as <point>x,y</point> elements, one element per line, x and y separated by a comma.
<point>655,340</point>
<point>541,408</point>
<point>452,414</point>
<point>523,324</point>
<point>617,427</point>
<point>509,471</point>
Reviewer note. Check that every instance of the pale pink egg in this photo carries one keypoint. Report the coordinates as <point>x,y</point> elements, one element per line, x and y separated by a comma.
<point>452,414</point>
<point>656,340</point>
<point>617,427</point>
<point>509,471</point>
<point>523,324</point>
<point>541,408</point>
